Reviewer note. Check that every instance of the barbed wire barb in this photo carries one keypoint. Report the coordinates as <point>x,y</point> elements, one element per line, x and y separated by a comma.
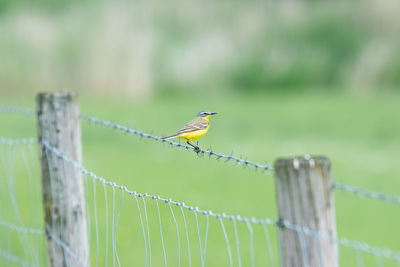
<point>210,152</point>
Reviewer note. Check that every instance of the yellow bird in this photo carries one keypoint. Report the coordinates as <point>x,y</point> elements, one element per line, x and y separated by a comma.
<point>195,129</point>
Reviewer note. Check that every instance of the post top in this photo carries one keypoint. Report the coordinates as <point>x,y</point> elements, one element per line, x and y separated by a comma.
<point>62,94</point>
<point>301,161</point>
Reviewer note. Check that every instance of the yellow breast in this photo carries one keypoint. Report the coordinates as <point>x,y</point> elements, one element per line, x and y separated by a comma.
<point>195,135</point>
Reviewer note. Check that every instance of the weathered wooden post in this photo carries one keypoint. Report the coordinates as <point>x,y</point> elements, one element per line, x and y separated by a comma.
<point>63,198</point>
<point>305,198</point>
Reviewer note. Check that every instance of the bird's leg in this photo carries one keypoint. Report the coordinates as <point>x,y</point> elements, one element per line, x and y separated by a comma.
<point>196,148</point>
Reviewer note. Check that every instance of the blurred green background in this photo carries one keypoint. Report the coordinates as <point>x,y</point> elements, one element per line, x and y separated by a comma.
<point>286,77</point>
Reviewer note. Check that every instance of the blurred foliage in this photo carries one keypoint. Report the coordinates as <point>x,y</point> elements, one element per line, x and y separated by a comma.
<point>319,48</point>
<point>145,48</point>
<point>12,5</point>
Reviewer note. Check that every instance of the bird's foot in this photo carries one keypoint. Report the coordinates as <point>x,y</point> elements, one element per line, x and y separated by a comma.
<point>195,147</point>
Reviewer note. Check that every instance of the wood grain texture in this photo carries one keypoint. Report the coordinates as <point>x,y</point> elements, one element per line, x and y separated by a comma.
<point>305,198</point>
<point>63,198</point>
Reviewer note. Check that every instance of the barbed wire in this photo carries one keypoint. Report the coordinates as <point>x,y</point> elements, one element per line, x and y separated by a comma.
<point>367,193</point>
<point>357,245</point>
<point>242,161</point>
<point>238,160</point>
<point>210,152</point>
<point>16,110</point>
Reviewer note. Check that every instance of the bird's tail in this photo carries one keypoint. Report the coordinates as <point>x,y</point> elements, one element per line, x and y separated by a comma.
<point>170,137</point>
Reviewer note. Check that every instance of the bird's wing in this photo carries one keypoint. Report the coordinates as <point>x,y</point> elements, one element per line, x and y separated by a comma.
<point>194,125</point>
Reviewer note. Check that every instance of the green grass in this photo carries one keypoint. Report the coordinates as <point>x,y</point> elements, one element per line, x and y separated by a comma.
<point>358,135</point>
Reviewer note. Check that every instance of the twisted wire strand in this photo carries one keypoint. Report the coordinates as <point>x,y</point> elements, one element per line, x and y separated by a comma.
<point>16,110</point>
<point>210,152</point>
<point>16,260</point>
<point>65,247</point>
<point>21,229</point>
<point>357,245</point>
<point>367,193</point>
<point>17,141</point>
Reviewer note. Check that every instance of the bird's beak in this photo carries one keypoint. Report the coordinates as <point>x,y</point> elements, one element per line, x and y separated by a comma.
<point>213,113</point>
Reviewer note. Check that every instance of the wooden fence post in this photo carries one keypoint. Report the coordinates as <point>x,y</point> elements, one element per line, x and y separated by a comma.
<point>63,198</point>
<point>305,198</point>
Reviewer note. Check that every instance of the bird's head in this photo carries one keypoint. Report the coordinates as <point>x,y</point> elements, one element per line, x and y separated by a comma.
<point>205,114</point>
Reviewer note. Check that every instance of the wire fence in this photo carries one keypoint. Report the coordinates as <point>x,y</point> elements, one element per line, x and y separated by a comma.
<point>154,230</point>
<point>141,199</point>
<point>22,237</point>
